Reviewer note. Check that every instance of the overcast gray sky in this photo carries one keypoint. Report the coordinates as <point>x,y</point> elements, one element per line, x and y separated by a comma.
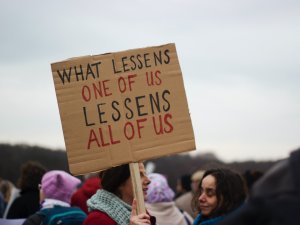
<point>240,64</point>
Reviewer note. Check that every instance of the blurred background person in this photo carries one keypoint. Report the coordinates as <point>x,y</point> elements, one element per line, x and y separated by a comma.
<point>183,185</point>
<point>10,193</point>
<point>89,187</point>
<point>160,203</point>
<point>184,202</point>
<point>56,189</point>
<point>195,181</point>
<point>184,195</point>
<point>221,191</point>
<point>28,201</point>
<point>251,176</point>
<point>2,203</point>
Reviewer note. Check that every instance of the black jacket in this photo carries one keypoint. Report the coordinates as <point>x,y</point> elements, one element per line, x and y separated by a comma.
<point>25,205</point>
<point>275,198</point>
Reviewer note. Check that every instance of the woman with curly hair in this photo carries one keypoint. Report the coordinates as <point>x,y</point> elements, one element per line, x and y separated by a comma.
<point>221,191</point>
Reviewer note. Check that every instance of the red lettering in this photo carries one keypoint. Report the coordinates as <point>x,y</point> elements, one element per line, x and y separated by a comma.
<point>128,136</point>
<point>106,88</point>
<point>100,140</point>
<point>158,80</point>
<point>111,136</point>
<point>162,126</point>
<point>160,129</point>
<point>122,84</point>
<point>100,89</point>
<point>153,78</point>
<point>131,80</point>
<point>139,126</point>
<point>166,117</point>
<point>86,93</point>
<point>92,138</point>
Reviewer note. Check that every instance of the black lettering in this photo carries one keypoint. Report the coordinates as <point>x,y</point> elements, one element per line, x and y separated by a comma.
<point>146,55</point>
<point>125,69</point>
<point>100,113</point>
<point>157,58</point>
<point>132,60</point>
<point>62,76</point>
<point>166,52</point>
<point>140,66</point>
<point>168,106</point>
<point>114,105</point>
<point>139,106</point>
<point>85,118</point>
<point>97,69</point>
<point>79,73</point>
<point>115,71</point>
<point>128,116</point>
<point>154,101</point>
<point>89,71</point>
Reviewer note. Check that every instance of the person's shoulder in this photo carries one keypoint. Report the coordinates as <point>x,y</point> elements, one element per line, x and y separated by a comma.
<point>187,216</point>
<point>16,206</point>
<point>28,197</point>
<point>98,218</point>
<point>17,200</point>
<point>34,219</point>
<point>184,198</point>
<point>281,178</point>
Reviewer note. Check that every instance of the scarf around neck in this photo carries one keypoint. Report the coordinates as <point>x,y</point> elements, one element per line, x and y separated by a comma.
<point>199,220</point>
<point>50,203</point>
<point>110,204</point>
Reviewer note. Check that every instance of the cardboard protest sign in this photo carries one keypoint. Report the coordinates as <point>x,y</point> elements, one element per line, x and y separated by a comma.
<point>122,107</point>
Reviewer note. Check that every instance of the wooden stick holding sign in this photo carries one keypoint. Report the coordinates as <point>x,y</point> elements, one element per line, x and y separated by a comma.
<point>137,187</point>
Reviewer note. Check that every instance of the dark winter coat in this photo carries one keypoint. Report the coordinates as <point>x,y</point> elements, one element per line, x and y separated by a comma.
<point>275,199</point>
<point>25,205</point>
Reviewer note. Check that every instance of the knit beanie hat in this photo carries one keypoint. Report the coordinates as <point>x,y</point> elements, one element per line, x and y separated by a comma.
<point>158,189</point>
<point>59,185</point>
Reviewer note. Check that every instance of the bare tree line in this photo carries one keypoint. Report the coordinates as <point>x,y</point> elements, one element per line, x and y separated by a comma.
<point>13,156</point>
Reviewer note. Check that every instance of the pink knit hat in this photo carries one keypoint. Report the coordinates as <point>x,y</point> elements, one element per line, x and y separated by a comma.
<point>158,189</point>
<point>59,185</point>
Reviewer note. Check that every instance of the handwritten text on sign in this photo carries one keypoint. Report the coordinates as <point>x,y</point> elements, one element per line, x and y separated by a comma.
<point>122,107</point>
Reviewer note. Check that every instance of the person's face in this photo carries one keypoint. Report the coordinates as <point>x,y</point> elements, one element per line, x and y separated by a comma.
<point>195,185</point>
<point>42,196</point>
<point>179,187</point>
<point>144,179</point>
<point>127,190</point>
<point>208,199</point>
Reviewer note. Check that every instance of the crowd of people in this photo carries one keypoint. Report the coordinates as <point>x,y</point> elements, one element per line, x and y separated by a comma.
<point>214,196</point>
